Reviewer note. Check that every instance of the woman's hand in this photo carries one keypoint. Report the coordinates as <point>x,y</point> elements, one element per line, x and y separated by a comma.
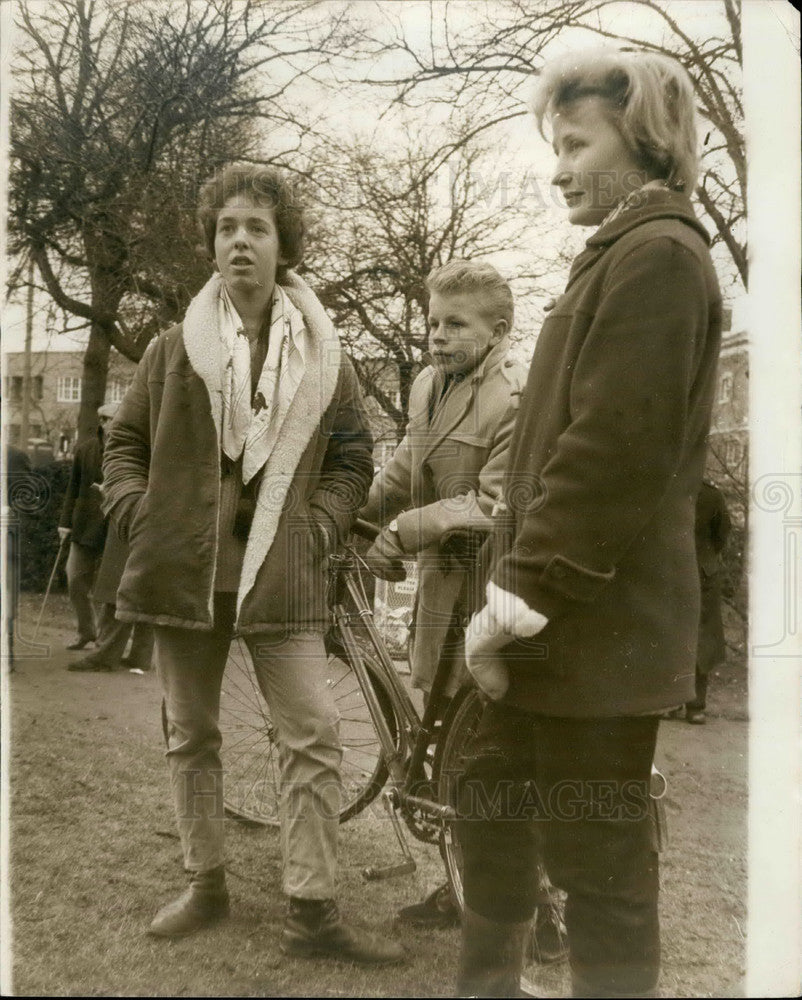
<point>505,617</point>
<point>483,641</point>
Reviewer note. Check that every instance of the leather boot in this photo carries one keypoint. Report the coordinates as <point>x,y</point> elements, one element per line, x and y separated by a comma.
<point>491,957</point>
<point>314,928</point>
<point>437,911</point>
<point>203,904</point>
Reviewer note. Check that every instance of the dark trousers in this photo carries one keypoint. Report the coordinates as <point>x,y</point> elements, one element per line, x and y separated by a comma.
<point>578,789</point>
<point>700,701</point>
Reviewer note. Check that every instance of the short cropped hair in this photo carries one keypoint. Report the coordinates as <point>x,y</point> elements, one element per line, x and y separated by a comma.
<point>650,95</point>
<point>267,187</point>
<point>476,277</point>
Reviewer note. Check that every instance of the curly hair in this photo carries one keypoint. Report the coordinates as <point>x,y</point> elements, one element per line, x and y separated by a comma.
<point>650,96</point>
<point>265,186</point>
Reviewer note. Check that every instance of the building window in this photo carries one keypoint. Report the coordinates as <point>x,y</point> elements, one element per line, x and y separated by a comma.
<point>725,388</point>
<point>387,450</point>
<point>68,389</point>
<point>37,388</point>
<point>115,391</point>
<point>733,452</point>
<point>16,389</point>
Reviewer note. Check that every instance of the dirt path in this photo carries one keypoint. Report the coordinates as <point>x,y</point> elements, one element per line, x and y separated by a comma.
<point>93,852</point>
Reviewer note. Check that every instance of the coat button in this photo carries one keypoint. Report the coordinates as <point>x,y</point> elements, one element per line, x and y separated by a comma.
<point>559,572</point>
<point>508,364</point>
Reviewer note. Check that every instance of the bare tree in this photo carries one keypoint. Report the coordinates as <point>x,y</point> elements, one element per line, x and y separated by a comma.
<point>486,63</point>
<point>119,112</point>
<point>384,222</point>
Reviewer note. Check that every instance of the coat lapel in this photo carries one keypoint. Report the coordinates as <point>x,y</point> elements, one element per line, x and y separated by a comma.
<point>204,347</point>
<point>313,396</point>
<point>655,203</point>
<point>459,401</point>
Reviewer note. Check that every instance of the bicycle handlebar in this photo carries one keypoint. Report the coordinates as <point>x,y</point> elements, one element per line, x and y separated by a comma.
<point>365,529</point>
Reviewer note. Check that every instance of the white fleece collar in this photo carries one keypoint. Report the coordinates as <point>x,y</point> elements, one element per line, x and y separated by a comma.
<point>315,392</point>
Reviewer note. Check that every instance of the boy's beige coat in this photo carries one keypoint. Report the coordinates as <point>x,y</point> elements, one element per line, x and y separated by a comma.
<point>461,447</point>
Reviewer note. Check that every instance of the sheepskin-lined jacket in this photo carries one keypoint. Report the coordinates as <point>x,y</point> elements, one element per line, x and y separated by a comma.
<point>165,445</point>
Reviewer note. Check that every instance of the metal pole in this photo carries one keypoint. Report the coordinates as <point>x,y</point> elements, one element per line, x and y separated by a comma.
<point>49,585</point>
<point>25,417</point>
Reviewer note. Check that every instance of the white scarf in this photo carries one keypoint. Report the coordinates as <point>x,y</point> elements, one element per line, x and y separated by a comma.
<point>252,431</point>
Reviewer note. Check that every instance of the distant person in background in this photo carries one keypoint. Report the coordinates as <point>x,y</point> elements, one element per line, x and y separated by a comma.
<point>83,523</point>
<point>113,635</point>
<point>712,530</point>
<point>17,466</point>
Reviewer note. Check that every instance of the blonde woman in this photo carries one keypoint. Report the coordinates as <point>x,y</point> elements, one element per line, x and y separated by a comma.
<point>590,626</point>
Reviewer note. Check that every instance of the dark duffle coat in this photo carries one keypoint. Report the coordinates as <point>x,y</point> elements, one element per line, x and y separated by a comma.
<point>164,444</point>
<point>609,450</point>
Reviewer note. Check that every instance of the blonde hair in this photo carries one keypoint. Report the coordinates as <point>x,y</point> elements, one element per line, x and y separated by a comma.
<point>475,277</point>
<point>650,95</point>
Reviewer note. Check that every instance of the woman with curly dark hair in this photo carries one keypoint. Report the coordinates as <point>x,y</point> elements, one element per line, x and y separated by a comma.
<point>239,455</point>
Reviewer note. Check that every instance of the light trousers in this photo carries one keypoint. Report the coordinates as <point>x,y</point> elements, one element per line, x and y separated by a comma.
<point>292,675</point>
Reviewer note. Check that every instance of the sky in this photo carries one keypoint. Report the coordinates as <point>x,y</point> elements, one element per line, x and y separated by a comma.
<point>522,169</point>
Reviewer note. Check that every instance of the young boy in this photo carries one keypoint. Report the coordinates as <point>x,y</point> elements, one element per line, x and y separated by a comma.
<point>446,475</point>
<point>447,472</point>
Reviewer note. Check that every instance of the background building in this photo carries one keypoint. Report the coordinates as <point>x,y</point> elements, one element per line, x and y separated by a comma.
<point>728,461</point>
<point>55,395</point>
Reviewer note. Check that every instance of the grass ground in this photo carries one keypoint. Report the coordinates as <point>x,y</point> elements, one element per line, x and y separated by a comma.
<point>94,853</point>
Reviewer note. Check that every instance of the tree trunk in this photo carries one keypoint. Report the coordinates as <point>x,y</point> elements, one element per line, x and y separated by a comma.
<point>93,385</point>
<point>106,258</point>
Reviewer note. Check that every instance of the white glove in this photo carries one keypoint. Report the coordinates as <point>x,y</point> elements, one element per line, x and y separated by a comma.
<point>64,534</point>
<point>504,618</point>
<point>512,614</point>
<point>483,640</point>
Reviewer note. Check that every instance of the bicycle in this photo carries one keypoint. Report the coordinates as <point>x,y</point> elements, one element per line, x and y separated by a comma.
<point>384,737</point>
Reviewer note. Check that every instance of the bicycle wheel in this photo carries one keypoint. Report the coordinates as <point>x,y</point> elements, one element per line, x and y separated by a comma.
<point>250,744</point>
<point>547,940</point>
<point>450,759</point>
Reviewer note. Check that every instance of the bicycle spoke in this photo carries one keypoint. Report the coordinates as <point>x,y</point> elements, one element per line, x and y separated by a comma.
<point>251,752</point>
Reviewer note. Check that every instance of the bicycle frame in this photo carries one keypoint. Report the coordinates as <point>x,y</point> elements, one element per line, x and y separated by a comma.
<point>415,736</point>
